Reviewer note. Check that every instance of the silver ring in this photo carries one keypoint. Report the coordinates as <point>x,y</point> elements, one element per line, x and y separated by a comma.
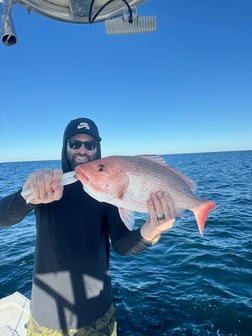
<point>161,218</point>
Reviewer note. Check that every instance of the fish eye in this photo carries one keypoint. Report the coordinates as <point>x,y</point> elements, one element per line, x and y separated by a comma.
<point>101,167</point>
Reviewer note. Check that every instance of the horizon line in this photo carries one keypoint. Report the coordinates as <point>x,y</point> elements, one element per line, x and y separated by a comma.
<point>182,153</point>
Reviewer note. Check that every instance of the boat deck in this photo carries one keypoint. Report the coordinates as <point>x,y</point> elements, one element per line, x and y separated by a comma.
<point>14,315</point>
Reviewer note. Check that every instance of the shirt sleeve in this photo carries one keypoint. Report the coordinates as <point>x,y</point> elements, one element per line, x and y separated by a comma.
<point>124,241</point>
<point>13,209</point>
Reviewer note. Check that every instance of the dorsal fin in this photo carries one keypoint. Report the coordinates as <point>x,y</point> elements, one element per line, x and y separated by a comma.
<point>154,158</point>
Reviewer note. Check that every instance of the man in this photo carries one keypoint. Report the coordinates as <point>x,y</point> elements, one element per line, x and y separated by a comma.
<point>71,291</point>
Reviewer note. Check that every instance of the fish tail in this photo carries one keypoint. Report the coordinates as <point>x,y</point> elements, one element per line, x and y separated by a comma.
<point>201,213</point>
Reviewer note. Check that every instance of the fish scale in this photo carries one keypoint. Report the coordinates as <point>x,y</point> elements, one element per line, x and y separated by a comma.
<point>153,177</point>
<point>128,181</point>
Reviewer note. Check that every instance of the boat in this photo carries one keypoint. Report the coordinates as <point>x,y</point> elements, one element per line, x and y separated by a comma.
<point>14,315</point>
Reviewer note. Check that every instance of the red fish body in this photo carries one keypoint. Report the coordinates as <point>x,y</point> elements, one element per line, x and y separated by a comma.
<point>128,181</point>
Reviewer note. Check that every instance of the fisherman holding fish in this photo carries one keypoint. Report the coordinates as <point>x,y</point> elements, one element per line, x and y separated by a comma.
<point>71,290</point>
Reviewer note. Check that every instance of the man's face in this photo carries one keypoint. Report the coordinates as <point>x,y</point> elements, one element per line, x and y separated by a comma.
<point>78,153</point>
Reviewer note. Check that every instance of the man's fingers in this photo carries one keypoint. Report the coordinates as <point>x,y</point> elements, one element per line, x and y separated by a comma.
<point>45,186</point>
<point>161,207</point>
<point>167,205</point>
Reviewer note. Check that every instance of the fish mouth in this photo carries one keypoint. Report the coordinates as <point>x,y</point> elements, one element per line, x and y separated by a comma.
<point>80,175</point>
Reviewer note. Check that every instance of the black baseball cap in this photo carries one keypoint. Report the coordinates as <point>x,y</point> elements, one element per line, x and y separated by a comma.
<point>83,126</point>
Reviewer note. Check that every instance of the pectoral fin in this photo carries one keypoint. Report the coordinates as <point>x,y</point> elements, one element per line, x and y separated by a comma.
<point>128,217</point>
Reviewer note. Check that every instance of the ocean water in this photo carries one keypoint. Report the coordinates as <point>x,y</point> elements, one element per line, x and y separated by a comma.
<point>184,285</point>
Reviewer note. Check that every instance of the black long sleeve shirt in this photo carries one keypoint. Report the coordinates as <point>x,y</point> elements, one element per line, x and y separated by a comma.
<point>71,282</point>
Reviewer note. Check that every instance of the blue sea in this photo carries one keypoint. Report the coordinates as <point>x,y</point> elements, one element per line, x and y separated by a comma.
<point>184,285</point>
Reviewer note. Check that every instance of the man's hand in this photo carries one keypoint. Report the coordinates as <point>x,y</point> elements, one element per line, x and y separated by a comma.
<point>45,185</point>
<point>161,216</point>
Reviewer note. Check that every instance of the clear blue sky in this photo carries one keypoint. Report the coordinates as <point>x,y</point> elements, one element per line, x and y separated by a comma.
<point>185,88</point>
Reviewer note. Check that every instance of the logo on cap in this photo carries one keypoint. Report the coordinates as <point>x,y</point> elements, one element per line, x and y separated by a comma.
<point>83,125</point>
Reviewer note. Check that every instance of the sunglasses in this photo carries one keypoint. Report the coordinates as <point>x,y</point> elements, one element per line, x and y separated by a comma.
<point>76,144</point>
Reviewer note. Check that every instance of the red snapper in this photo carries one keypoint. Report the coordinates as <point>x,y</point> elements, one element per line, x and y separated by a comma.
<point>128,181</point>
